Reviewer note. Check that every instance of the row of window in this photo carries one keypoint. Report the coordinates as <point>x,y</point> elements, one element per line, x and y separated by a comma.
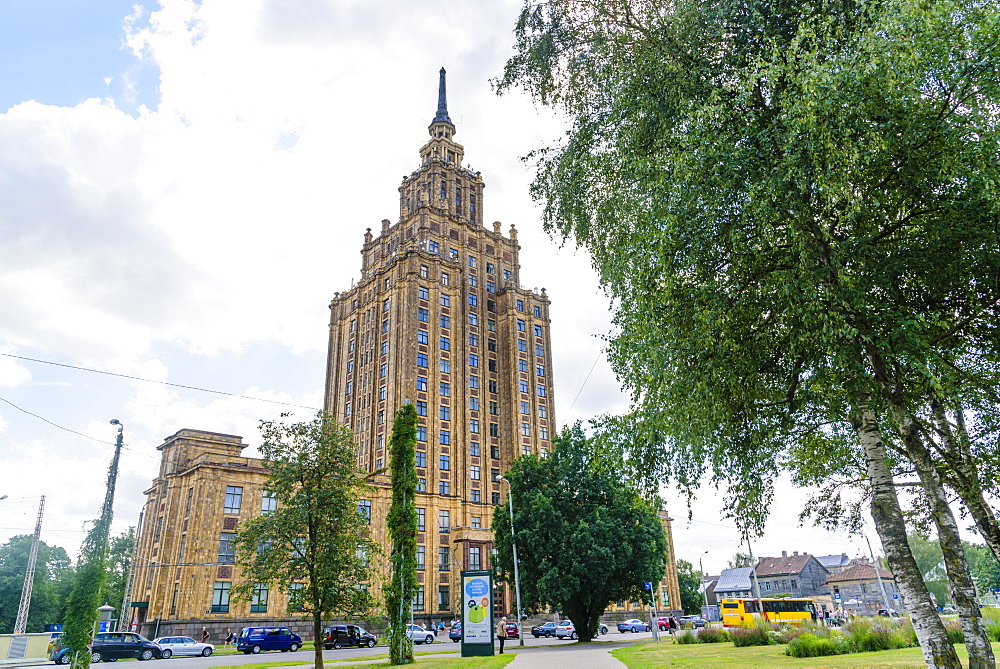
<point>234,500</point>
<point>258,599</point>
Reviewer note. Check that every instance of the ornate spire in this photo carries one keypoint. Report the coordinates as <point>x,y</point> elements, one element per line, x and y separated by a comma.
<point>442,110</point>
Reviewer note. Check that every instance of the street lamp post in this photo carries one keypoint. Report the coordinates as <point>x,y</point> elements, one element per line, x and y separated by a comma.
<point>517,575</point>
<point>704,589</point>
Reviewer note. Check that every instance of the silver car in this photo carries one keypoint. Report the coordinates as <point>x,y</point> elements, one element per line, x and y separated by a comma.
<point>185,645</point>
<point>418,634</point>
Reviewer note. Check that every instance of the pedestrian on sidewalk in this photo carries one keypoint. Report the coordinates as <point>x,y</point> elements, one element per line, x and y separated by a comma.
<point>502,632</point>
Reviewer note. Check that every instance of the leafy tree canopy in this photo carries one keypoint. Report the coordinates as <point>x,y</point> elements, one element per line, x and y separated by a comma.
<point>317,536</point>
<point>585,538</point>
<point>53,580</point>
<point>689,581</point>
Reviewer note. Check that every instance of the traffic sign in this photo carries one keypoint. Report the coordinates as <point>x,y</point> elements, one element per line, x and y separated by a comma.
<point>836,596</point>
<point>649,586</point>
<point>895,596</point>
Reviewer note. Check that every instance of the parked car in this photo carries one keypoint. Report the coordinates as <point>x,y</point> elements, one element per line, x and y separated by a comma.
<point>546,630</point>
<point>694,621</point>
<point>419,635</point>
<point>633,625</point>
<point>455,633</point>
<point>184,645</point>
<point>513,631</point>
<point>337,636</point>
<point>114,646</point>
<point>565,629</point>
<point>663,623</point>
<point>255,639</point>
<point>888,612</point>
<point>948,609</point>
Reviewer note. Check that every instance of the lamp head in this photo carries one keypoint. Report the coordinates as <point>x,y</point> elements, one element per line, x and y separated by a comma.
<point>115,421</point>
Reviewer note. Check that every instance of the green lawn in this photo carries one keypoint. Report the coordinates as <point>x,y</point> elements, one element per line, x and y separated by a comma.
<point>666,654</point>
<point>494,662</point>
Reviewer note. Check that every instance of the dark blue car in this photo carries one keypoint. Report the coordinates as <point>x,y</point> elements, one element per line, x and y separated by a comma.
<point>256,639</point>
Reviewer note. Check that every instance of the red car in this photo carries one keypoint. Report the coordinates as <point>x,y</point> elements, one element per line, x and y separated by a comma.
<point>513,631</point>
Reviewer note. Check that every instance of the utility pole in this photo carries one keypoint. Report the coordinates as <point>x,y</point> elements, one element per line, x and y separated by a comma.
<point>124,616</point>
<point>513,545</point>
<point>881,586</point>
<point>29,576</point>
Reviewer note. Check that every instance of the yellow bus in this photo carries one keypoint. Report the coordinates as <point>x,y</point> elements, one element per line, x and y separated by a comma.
<point>791,611</point>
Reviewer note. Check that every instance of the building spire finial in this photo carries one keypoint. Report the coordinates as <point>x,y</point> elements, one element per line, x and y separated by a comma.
<point>442,110</point>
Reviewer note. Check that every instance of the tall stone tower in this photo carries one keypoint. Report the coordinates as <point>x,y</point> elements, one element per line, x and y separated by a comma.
<point>439,318</point>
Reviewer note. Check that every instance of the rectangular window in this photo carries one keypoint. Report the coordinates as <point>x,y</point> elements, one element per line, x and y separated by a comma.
<point>421,519</point>
<point>524,408</point>
<point>445,344</point>
<point>258,600</point>
<point>365,509</point>
<point>385,350</point>
<point>227,552</point>
<point>520,305</point>
<point>444,558</point>
<point>539,350</point>
<point>495,454</point>
<point>491,287</point>
<point>295,597</point>
<point>538,330</point>
<point>492,365</point>
<point>421,359</point>
<point>526,450</point>
<point>421,383</point>
<point>473,339</point>
<point>541,390</point>
<point>350,388</point>
<point>473,381</point>
<point>494,408</point>
<point>418,598</point>
<point>433,247</point>
<point>444,278</point>
<point>444,462</point>
<point>268,501</point>
<point>477,522</point>
<point>383,370</point>
<point>474,403</point>
<point>491,325</point>
<point>385,325</point>
<point>475,495</point>
<point>445,389</point>
<point>473,360</point>
<point>422,314</point>
<point>444,598</point>
<point>522,365</point>
<point>422,336</point>
<point>424,271</point>
<point>420,558</point>
<point>474,472</point>
<point>543,432</point>
<point>523,385</point>
<point>542,411</point>
<point>220,597</point>
<point>381,393</point>
<point>522,345</point>
<point>190,498</point>
<point>420,459</point>
<point>444,488</point>
<point>444,366</point>
<point>491,385</point>
<point>539,370</point>
<point>495,498</point>
<point>444,413</point>
<point>538,312</point>
<point>494,430</point>
<point>180,553</point>
<point>525,430</point>
<point>473,319</point>
<point>520,325</point>
<point>473,281</point>
<point>159,529</point>
<point>472,261</point>
<point>475,558</point>
<point>422,293</point>
<point>444,520</point>
<point>491,345</point>
<point>234,499</point>
<point>474,448</point>
<point>474,426</point>
<point>421,408</point>
<point>421,485</point>
<point>347,409</point>
<point>446,322</point>
<point>445,300</point>
<point>473,300</point>
<point>452,253</point>
<point>421,433</point>
<point>385,304</point>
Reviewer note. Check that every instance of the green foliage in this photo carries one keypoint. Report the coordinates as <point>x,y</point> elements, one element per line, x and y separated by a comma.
<point>119,562</point>
<point>713,635</point>
<point>740,560</point>
<point>316,536</point>
<point>864,636</point>
<point>811,645</point>
<point>50,588</point>
<point>88,584</point>
<point>756,635</point>
<point>585,538</point>
<point>687,637</point>
<point>689,582</point>
<point>402,525</point>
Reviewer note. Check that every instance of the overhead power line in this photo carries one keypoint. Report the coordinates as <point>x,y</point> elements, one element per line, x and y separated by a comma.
<point>164,383</point>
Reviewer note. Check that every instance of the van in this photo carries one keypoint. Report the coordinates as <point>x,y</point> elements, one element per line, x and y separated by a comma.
<point>256,639</point>
<point>347,635</point>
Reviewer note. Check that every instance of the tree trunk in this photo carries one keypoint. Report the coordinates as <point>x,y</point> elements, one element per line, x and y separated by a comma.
<point>931,635</point>
<point>318,638</point>
<point>963,590</point>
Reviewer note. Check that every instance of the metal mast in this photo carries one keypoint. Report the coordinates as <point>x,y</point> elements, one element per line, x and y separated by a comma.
<point>124,615</point>
<point>29,576</point>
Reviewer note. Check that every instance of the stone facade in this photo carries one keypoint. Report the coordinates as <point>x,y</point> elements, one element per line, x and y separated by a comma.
<point>798,575</point>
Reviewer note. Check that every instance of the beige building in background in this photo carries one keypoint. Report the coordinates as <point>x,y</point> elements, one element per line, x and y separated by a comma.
<point>438,318</point>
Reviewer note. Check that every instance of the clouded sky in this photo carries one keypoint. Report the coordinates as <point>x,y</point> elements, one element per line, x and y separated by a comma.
<point>183,188</point>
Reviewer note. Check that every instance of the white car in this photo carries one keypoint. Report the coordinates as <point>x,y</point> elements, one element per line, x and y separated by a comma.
<point>418,634</point>
<point>185,645</point>
<point>566,629</point>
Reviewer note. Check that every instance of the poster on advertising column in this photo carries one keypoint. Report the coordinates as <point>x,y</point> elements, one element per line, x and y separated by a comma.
<point>477,613</point>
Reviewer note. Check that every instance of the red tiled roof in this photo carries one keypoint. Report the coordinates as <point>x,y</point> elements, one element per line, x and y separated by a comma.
<point>782,566</point>
<point>860,572</point>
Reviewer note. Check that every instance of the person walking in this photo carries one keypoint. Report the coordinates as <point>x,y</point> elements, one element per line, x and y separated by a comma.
<point>230,638</point>
<point>204,635</point>
<point>502,632</point>
<point>673,625</point>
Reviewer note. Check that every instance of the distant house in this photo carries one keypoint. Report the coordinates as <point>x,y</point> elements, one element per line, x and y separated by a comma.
<point>795,574</point>
<point>835,563</point>
<point>859,590</point>
<point>734,583</point>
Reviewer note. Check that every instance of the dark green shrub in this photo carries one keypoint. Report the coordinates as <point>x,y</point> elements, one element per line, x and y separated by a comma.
<point>751,636</point>
<point>688,637</point>
<point>810,645</point>
<point>993,630</point>
<point>713,635</point>
<point>955,634</point>
<point>864,637</point>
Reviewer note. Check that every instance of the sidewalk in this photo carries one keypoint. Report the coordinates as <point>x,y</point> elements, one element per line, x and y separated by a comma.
<point>595,656</point>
